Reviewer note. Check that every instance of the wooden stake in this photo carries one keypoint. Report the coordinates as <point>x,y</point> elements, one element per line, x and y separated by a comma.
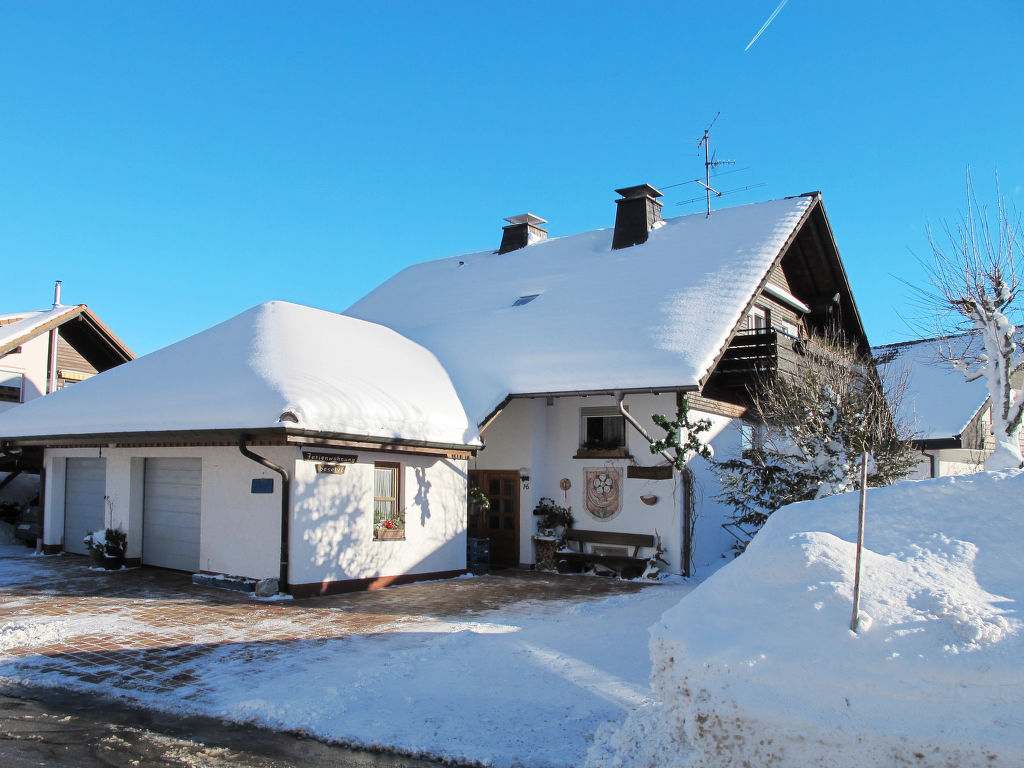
<point>860,539</point>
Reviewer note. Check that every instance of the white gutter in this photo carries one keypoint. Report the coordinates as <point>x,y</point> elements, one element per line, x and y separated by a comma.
<point>786,298</point>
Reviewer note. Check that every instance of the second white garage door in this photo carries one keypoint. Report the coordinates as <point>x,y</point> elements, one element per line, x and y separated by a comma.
<point>170,513</point>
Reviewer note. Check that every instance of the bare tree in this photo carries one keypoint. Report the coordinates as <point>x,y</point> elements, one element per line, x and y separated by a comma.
<point>976,277</point>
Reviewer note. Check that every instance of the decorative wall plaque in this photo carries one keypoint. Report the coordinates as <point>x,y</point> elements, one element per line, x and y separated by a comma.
<point>603,491</point>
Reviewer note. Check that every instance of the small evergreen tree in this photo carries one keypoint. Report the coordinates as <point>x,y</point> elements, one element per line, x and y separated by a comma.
<point>682,436</point>
<point>817,422</point>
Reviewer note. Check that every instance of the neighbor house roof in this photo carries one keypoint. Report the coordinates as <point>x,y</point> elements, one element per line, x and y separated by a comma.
<point>329,373</point>
<point>655,315</point>
<point>939,402</point>
<point>79,326</point>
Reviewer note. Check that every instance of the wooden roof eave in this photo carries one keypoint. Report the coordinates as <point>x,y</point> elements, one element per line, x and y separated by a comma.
<point>46,327</point>
<point>609,392</point>
<point>816,203</point>
<point>117,346</point>
<point>281,435</point>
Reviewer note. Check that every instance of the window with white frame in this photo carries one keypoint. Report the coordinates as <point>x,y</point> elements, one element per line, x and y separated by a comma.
<point>11,384</point>
<point>602,429</point>
<point>757,319</point>
<point>388,517</point>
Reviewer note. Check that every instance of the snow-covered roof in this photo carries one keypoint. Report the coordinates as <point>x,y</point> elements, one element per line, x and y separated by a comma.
<point>336,374</point>
<point>939,403</point>
<point>653,315</point>
<point>21,326</point>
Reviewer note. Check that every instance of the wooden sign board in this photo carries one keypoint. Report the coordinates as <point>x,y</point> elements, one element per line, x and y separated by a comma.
<point>334,458</point>
<point>663,472</point>
<point>330,469</point>
<point>457,455</point>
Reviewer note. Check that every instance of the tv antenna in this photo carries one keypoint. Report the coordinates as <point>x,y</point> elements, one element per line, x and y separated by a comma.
<point>711,161</point>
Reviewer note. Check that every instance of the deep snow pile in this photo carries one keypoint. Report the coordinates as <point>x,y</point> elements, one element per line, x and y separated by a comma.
<point>758,664</point>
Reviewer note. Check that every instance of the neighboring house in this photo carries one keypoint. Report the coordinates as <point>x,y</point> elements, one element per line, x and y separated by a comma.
<point>46,350</point>
<point>43,351</point>
<point>286,442</point>
<point>950,417</point>
<point>557,345</point>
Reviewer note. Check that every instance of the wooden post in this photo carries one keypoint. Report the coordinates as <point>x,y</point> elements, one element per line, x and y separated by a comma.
<point>860,539</point>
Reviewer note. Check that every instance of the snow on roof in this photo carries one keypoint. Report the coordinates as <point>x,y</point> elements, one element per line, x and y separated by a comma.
<point>938,403</point>
<point>654,315</point>
<point>23,324</point>
<point>337,374</point>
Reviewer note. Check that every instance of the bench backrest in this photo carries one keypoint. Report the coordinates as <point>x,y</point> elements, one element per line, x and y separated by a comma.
<point>610,537</point>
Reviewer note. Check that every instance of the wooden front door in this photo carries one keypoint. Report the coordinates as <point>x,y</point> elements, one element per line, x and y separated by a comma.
<point>500,523</point>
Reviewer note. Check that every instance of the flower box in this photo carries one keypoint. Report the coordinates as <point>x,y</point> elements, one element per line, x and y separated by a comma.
<point>389,534</point>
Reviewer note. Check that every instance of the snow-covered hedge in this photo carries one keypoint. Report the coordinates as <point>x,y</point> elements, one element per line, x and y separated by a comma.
<point>758,666</point>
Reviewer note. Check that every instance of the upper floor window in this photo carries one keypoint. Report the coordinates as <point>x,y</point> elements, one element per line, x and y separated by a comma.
<point>757,319</point>
<point>602,429</point>
<point>11,384</point>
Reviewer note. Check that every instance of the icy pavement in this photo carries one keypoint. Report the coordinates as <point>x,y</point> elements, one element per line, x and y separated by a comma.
<point>502,670</point>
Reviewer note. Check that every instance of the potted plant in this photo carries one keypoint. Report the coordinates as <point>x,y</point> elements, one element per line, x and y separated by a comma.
<point>107,548</point>
<point>390,528</point>
<point>552,523</point>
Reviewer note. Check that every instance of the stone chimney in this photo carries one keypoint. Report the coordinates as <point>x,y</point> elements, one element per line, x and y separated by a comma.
<point>637,213</point>
<point>522,231</point>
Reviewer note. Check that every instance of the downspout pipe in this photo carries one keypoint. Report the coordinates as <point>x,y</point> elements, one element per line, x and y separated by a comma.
<point>640,427</point>
<point>283,585</point>
<point>687,543</point>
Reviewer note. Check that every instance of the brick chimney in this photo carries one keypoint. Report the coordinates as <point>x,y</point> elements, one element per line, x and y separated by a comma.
<point>522,231</point>
<point>637,212</point>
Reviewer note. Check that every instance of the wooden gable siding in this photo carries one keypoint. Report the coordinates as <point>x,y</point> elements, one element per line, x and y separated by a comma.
<point>70,359</point>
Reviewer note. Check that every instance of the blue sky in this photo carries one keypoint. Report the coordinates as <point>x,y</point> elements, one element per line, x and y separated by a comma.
<point>175,163</point>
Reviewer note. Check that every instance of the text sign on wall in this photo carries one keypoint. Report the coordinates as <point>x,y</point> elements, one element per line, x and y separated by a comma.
<point>330,469</point>
<point>262,485</point>
<point>336,458</point>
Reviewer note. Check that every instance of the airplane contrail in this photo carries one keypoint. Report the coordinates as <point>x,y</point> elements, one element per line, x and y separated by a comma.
<point>765,25</point>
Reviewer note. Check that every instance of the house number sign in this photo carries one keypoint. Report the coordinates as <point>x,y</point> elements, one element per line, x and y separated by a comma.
<point>603,491</point>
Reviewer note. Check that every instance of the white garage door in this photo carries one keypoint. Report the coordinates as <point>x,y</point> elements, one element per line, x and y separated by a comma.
<point>84,487</point>
<point>170,513</point>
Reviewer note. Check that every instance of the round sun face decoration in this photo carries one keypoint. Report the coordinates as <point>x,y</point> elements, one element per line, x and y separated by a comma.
<point>603,492</point>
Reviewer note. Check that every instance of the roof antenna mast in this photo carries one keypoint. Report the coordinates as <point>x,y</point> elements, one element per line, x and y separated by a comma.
<point>709,163</point>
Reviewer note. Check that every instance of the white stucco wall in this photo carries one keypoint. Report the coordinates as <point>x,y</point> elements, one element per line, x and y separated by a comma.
<point>331,515</point>
<point>544,439</point>
<point>239,530</point>
<point>333,520</point>
<point>32,362</point>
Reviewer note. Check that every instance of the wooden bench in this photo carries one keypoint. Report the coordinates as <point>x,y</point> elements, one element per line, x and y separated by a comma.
<point>628,565</point>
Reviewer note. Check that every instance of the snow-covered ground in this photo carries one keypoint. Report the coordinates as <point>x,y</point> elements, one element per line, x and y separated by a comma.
<point>524,685</point>
<point>758,665</point>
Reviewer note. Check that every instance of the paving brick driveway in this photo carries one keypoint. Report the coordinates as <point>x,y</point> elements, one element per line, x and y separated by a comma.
<point>147,629</point>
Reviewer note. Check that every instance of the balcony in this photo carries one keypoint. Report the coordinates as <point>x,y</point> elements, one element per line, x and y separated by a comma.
<point>757,354</point>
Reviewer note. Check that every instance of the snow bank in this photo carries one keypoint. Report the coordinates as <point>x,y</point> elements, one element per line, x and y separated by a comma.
<point>758,665</point>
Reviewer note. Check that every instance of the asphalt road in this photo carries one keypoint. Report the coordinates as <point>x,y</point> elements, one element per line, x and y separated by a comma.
<point>43,727</point>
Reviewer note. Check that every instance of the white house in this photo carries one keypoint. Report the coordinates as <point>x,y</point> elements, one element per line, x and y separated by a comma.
<point>279,442</point>
<point>561,350</point>
<point>951,417</point>
<point>283,443</point>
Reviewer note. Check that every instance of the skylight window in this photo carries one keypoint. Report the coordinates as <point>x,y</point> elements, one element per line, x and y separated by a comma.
<point>524,300</point>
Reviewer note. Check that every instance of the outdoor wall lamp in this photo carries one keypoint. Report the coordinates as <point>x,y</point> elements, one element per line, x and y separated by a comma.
<point>524,475</point>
